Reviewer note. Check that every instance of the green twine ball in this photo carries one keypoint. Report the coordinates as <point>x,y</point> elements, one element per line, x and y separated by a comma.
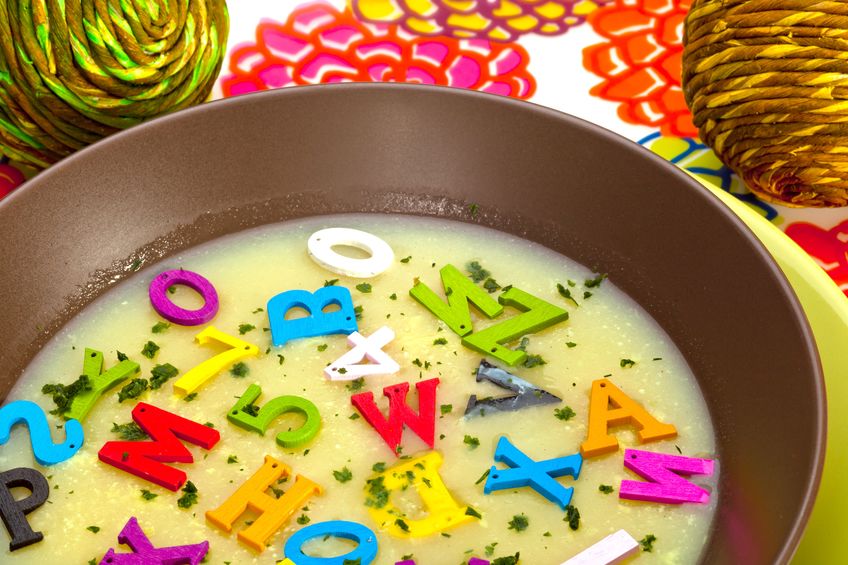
<point>75,71</point>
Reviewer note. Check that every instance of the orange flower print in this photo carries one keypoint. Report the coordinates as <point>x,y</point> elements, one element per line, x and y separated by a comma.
<point>319,44</point>
<point>640,62</point>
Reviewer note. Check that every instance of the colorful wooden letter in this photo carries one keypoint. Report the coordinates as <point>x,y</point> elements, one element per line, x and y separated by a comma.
<point>239,349</point>
<point>609,406</point>
<point>364,553</point>
<point>422,474</point>
<point>146,459</point>
<point>271,410</point>
<point>526,394</point>
<point>612,549</point>
<point>143,551</point>
<point>92,367</point>
<point>318,322</point>
<point>391,428</point>
<point>321,243</point>
<point>13,512</point>
<point>350,366</point>
<point>665,485</point>
<point>460,291</point>
<point>167,309</point>
<point>536,316</point>
<point>538,475</point>
<point>273,512</point>
<point>46,452</point>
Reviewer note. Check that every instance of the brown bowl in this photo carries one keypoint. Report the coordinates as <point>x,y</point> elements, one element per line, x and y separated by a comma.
<point>179,181</point>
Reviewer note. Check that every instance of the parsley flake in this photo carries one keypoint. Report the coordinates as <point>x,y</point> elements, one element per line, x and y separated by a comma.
<point>519,522</point>
<point>365,288</point>
<point>149,350</point>
<point>240,370</point>
<point>343,476</point>
<point>564,414</point>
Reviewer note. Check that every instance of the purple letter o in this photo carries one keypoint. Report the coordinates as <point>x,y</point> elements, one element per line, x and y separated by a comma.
<point>162,304</point>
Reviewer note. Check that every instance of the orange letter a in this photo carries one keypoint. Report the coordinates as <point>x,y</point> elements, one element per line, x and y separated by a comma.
<point>609,406</point>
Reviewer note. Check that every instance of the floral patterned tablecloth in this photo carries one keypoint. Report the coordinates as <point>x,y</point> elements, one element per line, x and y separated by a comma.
<point>613,62</point>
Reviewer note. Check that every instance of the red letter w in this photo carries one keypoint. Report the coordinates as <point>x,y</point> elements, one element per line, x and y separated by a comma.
<point>146,459</point>
<point>391,430</point>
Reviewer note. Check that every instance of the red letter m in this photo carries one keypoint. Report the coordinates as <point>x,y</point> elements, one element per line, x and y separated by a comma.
<point>146,459</point>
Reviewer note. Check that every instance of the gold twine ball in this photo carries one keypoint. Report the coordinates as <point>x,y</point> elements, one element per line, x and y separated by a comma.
<point>74,71</point>
<point>767,83</point>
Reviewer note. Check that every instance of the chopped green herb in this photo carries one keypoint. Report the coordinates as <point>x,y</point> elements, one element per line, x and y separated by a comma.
<point>440,341</point>
<point>471,442</point>
<point>282,358</point>
<point>446,408</point>
<point>378,496</point>
<point>592,283</point>
<point>353,416</point>
<point>188,499</point>
<point>473,209</point>
<point>647,542</point>
<point>508,560</point>
<point>364,288</point>
<point>570,344</point>
<point>342,371</point>
<point>250,409</point>
<point>244,328</point>
<point>572,516</point>
<point>378,467</point>
<point>149,350</point>
<point>135,265</point>
<point>322,347</point>
<point>258,310</point>
<point>133,389</point>
<point>625,363</point>
<point>343,476</point>
<point>606,489</point>
<point>483,477</point>
<point>232,459</point>
<point>565,293</point>
<point>356,384</point>
<point>534,360</point>
<point>161,373</point>
<point>491,285</point>
<point>564,413</point>
<point>401,524</point>
<point>240,370</point>
<point>393,296</point>
<point>63,395</point>
<point>519,522</point>
<point>189,397</point>
<point>587,294</point>
<point>121,356</point>
<point>657,359</point>
<point>477,272</point>
<point>129,432</point>
<point>469,511</point>
<point>490,549</point>
<point>160,327</point>
<point>147,495</point>
<point>357,310</point>
<point>406,259</point>
<point>93,529</point>
<point>331,282</point>
<point>303,519</point>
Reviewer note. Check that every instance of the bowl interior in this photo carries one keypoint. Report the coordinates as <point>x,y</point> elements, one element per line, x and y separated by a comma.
<point>182,180</point>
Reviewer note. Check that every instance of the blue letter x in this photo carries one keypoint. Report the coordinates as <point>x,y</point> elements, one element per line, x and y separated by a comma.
<point>524,472</point>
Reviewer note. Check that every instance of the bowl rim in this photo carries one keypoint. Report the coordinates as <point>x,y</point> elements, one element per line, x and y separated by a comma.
<point>705,197</point>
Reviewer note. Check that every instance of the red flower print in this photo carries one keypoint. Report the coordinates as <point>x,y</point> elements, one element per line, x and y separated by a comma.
<point>829,248</point>
<point>10,179</point>
<point>319,44</point>
<point>640,62</point>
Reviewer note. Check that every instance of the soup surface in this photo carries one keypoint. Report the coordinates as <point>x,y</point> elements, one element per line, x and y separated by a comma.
<point>607,336</point>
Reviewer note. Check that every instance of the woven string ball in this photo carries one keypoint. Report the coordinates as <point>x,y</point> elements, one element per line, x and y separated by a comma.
<point>74,71</point>
<point>767,83</point>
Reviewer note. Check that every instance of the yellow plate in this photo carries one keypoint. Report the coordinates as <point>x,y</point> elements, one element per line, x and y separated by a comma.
<point>827,311</point>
